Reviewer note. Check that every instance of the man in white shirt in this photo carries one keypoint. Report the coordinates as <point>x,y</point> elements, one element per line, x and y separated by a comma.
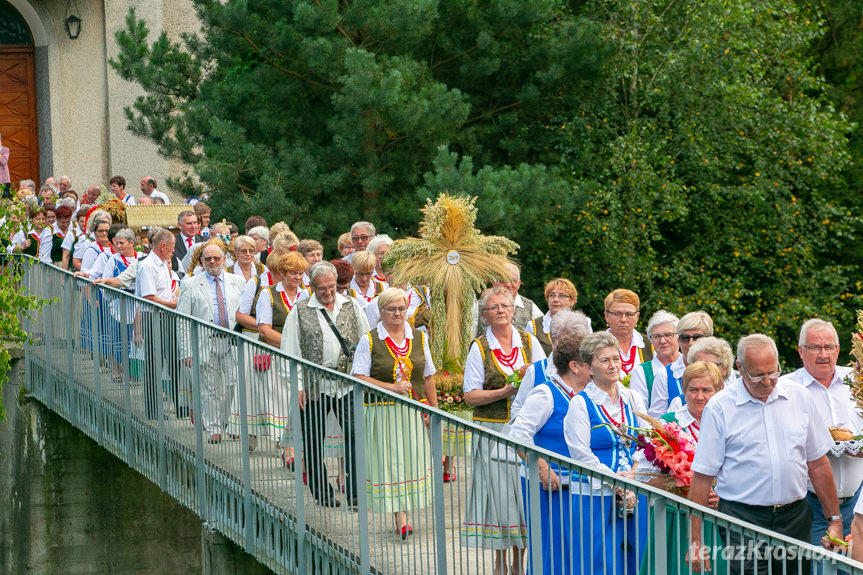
<point>154,283</point>
<point>148,188</point>
<point>214,297</point>
<point>310,334</point>
<point>818,347</point>
<point>762,441</point>
<point>118,187</point>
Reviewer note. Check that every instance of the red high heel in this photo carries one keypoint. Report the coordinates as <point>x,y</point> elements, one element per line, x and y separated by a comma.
<point>406,530</point>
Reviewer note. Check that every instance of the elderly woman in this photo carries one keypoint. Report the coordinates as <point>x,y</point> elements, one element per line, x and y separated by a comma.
<point>75,243</point>
<point>662,333</point>
<point>261,235</point>
<point>560,294</point>
<point>621,314</point>
<point>592,427</point>
<point>245,264</point>
<point>276,302</point>
<point>251,293</point>
<point>313,251</point>
<point>98,225</point>
<point>396,357</point>
<point>52,237</point>
<point>380,245</point>
<point>364,268</point>
<point>345,244</point>
<point>541,423</point>
<point>494,518</point>
<point>716,351</point>
<point>667,384</point>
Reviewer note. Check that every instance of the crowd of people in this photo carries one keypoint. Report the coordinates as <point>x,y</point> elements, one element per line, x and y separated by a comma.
<point>544,378</point>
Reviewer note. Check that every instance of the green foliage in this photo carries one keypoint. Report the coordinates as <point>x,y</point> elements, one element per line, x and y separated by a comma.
<point>14,302</point>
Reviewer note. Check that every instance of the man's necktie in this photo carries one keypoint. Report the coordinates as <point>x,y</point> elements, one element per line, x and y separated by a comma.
<point>189,242</point>
<point>222,318</point>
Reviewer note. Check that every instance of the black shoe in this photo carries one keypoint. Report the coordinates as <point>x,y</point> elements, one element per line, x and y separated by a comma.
<point>328,501</point>
<point>352,501</point>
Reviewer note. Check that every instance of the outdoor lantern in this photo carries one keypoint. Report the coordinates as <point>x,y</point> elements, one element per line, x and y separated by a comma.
<point>72,21</point>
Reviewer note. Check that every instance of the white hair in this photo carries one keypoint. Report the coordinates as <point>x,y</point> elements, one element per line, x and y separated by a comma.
<point>816,323</point>
<point>661,317</point>
<point>377,241</point>
<point>757,341</point>
<point>714,345</point>
<point>699,320</point>
<point>566,322</point>
<point>368,225</point>
<point>261,232</point>
<point>322,267</point>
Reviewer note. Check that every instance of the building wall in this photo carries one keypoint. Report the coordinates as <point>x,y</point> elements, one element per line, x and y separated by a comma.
<point>82,125</point>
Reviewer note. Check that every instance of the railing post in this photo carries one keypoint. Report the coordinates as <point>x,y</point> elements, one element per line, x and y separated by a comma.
<point>360,475</point>
<point>26,320</point>
<point>435,435</point>
<point>127,386</point>
<point>534,516</point>
<point>70,353</point>
<point>160,407</point>
<point>298,484</point>
<point>47,336</point>
<point>97,359</point>
<point>660,549</point>
<point>249,522</point>
<point>200,463</point>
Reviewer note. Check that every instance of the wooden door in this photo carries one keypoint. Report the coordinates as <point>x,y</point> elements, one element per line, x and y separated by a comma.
<point>18,111</point>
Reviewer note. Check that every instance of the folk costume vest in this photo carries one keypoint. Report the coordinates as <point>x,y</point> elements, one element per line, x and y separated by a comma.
<point>57,247</point>
<point>544,338</point>
<point>422,314</point>
<point>385,366</point>
<point>605,444</point>
<point>312,338</point>
<point>498,411</point>
<point>550,436</point>
<point>281,308</point>
<point>675,386</point>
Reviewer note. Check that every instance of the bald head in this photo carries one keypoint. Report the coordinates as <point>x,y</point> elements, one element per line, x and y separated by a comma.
<point>92,194</point>
<point>145,201</point>
<point>148,184</point>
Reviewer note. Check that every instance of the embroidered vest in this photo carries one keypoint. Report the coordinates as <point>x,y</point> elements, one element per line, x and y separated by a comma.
<point>280,310</point>
<point>550,436</point>
<point>604,443</point>
<point>312,338</point>
<point>33,250</point>
<point>57,248</point>
<point>648,379</point>
<point>675,386</point>
<point>384,364</point>
<point>422,314</point>
<point>497,411</point>
<point>539,375</point>
<point>544,338</point>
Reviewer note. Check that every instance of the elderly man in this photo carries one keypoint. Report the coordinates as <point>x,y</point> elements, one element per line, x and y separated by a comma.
<point>65,185</point>
<point>187,222</point>
<point>525,310</point>
<point>818,347</point>
<point>148,189</point>
<point>361,234</point>
<point>214,297</point>
<point>662,333</point>
<point>667,384</point>
<point>145,201</point>
<point>91,196</point>
<point>154,283</point>
<point>380,245</point>
<point>325,330</point>
<point>762,441</point>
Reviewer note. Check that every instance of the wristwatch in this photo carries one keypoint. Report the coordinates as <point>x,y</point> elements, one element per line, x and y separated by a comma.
<point>834,518</point>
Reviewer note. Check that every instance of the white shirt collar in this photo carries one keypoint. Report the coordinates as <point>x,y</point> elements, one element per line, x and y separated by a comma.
<point>598,396</point>
<point>494,344</point>
<point>382,331</point>
<point>684,417</point>
<point>546,322</point>
<point>807,379</point>
<point>743,395</point>
<point>340,301</point>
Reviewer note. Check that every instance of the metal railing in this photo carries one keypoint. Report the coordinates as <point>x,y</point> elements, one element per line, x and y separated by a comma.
<point>142,381</point>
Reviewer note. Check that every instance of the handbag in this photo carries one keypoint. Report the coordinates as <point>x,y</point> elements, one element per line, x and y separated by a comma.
<point>348,353</point>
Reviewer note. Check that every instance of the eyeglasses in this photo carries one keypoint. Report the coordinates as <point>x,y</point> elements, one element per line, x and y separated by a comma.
<point>212,258</point>
<point>247,251</point>
<point>494,308</point>
<point>761,378</point>
<point>819,348</point>
<point>687,338</point>
<point>399,310</point>
<point>360,238</point>
<point>100,231</point>
<point>365,275</point>
<point>661,336</point>
<point>559,296</point>
<point>619,314</point>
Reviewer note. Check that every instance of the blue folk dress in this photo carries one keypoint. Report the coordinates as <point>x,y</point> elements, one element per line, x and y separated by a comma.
<point>611,544</point>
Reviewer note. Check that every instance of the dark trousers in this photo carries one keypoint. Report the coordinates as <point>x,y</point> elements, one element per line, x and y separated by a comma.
<point>746,556</point>
<point>153,357</point>
<point>314,423</point>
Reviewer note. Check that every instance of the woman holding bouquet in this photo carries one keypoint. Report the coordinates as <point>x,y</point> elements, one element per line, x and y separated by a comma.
<point>495,518</point>
<point>540,422</point>
<point>594,427</point>
<point>396,357</point>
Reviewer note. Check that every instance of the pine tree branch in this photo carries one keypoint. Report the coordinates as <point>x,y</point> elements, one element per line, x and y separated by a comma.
<point>340,29</point>
<point>462,54</point>
<point>492,112</point>
<point>281,68</point>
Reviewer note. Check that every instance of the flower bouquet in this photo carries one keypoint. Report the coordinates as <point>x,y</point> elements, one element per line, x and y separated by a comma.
<point>450,395</point>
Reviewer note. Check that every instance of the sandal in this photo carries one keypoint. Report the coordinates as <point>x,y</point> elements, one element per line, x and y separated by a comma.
<point>289,463</point>
<point>449,477</point>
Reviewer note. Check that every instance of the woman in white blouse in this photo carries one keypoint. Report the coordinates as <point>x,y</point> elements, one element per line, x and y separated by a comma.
<point>495,518</point>
<point>246,265</point>
<point>592,425</point>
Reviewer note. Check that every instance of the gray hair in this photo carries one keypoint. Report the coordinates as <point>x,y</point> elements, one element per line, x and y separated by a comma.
<point>714,345</point>
<point>566,322</point>
<point>595,342</point>
<point>160,236</point>
<point>263,232</point>
<point>368,225</point>
<point>185,214</point>
<point>754,341</point>
<point>29,184</point>
<point>492,291</point>
<point>376,242</point>
<point>242,240</point>
<point>699,320</point>
<point>96,218</point>
<point>67,202</point>
<point>319,268</point>
<point>660,317</point>
<point>216,245</point>
<point>816,323</point>
<point>125,234</point>
<point>390,295</point>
